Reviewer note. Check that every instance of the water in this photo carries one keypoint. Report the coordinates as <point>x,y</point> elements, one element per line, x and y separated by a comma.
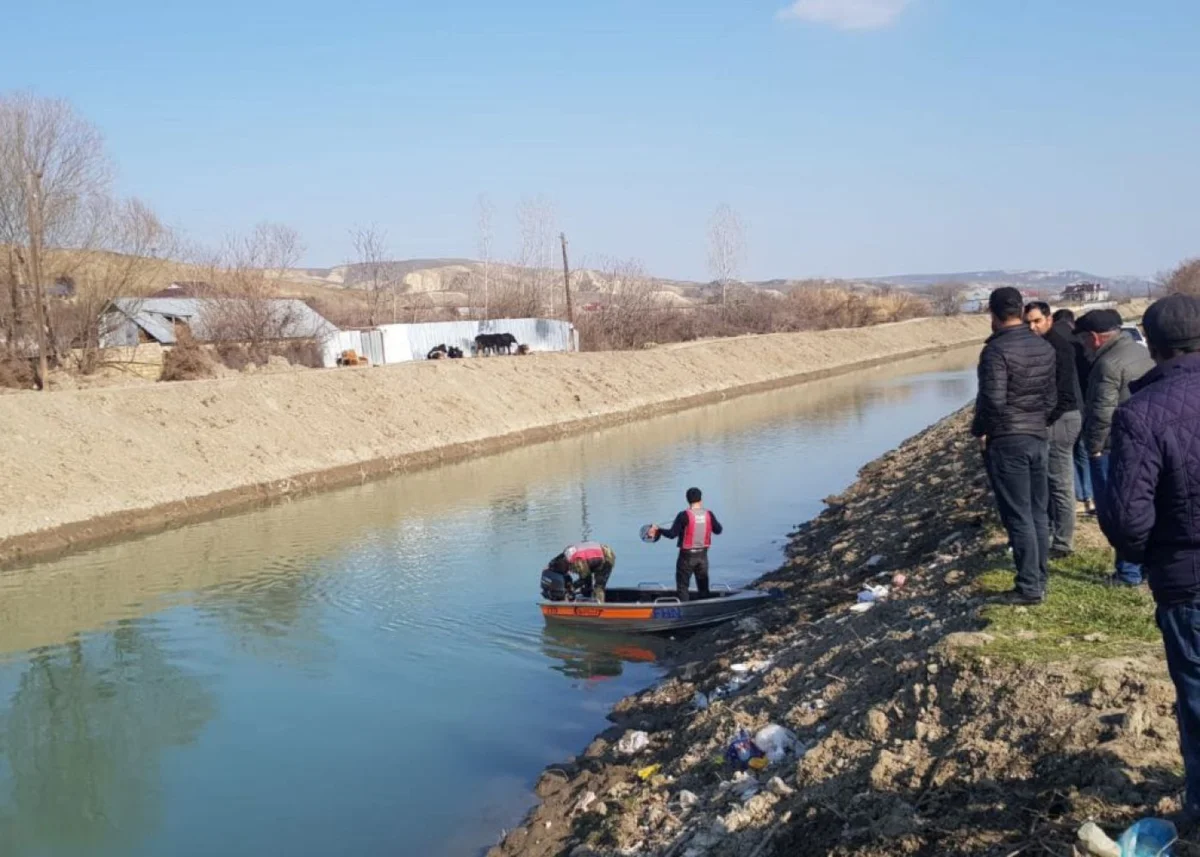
<point>365,672</point>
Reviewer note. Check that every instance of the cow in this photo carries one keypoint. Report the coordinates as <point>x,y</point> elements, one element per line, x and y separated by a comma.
<point>438,352</point>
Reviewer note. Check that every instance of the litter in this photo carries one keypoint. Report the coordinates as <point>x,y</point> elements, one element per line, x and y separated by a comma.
<point>778,743</point>
<point>875,560</point>
<point>700,701</point>
<point>586,801</point>
<point>862,606</point>
<point>1096,842</point>
<point>743,753</point>
<point>1150,837</point>
<point>649,771</point>
<point>873,593</point>
<point>740,669</point>
<point>688,799</point>
<point>899,579</point>
<point>744,786</point>
<point>633,742</point>
<point>779,788</point>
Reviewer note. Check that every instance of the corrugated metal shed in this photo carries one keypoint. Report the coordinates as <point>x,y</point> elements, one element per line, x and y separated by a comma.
<point>156,317</point>
<point>540,334</point>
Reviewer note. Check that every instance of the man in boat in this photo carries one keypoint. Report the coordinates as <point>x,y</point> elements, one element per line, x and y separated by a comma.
<point>592,563</point>
<point>694,528</point>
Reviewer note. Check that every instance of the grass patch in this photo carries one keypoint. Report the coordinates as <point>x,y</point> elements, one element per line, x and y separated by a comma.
<point>1116,621</point>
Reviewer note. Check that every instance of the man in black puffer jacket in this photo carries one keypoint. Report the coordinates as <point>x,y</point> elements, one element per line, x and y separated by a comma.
<point>1018,392</point>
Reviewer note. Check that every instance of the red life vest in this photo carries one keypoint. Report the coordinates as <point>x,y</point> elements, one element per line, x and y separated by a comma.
<point>584,552</point>
<point>699,530</point>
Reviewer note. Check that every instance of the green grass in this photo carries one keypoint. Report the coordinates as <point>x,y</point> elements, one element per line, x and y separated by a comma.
<point>1077,605</point>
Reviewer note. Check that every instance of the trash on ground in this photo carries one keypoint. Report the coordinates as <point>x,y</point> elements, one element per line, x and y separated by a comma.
<point>740,669</point>
<point>649,771</point>
<point>1095,841</point>
<point>744,786</point>
<point>688,799</point>
<point>779,788</point>
<point>1150,837</point>
<point>743,753</point>
<point>700,701</point>
<point>875,560</point>
<point>899,579</point>
<point>778,742</point>
<point>633,742</point>
<point>862,606</point>
<point>586,801</point>
<point>873,593</point>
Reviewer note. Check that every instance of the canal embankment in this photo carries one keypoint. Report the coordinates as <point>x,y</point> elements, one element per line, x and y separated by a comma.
<point>81,467</point>
<point>932,721</point>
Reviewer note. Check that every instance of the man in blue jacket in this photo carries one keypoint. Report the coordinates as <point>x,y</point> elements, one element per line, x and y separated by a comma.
<point>1151,511</point>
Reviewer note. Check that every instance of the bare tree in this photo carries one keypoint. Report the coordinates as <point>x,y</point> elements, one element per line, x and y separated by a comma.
<point>536,219</point>
<point>370,248</point>
<point>947,298</point>
<point>246,275</point>
<point>52,169</point>
<point>485,213</point>
<point>1184,280</point>
<point>726,247</point>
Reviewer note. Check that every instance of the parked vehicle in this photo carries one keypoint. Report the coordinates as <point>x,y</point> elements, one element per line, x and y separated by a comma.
<point>1134,332</point>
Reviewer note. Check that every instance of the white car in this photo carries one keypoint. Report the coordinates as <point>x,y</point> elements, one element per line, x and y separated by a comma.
<point>1135,333</point>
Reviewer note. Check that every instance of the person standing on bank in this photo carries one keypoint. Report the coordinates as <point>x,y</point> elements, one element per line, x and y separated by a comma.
<point>1017,393</point>
<point>1151,512</point>
<point>1064,321</point>
<point>694,528</point>
<point>1117,362</point>
<point>1066,422</point>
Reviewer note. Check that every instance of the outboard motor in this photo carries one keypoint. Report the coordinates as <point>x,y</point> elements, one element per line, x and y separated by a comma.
<point>554,586</point>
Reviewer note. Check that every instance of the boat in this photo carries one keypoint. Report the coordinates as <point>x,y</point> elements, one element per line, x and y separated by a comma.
<point>653,608</point>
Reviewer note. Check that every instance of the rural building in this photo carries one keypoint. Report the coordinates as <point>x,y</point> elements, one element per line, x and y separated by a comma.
<point>130,321</point>
<point>1084,293</point>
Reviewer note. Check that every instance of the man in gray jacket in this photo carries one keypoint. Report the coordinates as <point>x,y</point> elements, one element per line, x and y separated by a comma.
<point>1118,360</point>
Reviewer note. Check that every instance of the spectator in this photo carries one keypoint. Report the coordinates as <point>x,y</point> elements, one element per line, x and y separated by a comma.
<point>1152,511</point>
<point>1017,393</point>
<point>1065,425</point>
<point>1064,319</point>
<point>1117,361</point>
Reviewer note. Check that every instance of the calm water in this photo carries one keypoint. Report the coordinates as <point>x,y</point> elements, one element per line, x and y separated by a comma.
<point>364,672</point>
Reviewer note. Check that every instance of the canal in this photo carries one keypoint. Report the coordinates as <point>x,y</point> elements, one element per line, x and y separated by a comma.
<point>364,672</point>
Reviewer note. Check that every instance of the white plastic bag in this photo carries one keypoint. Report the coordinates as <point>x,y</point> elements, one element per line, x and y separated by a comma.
<point>633,742</point>
<point>778,743</point>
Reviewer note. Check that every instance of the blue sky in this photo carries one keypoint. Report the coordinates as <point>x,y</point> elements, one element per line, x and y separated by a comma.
<point>854,137</point>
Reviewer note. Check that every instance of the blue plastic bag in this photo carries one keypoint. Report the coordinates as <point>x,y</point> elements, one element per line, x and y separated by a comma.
<point>743,753</point>
<point>1150,837</point>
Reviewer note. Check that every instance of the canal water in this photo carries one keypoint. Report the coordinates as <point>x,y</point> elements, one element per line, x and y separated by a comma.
<point>364,672</point>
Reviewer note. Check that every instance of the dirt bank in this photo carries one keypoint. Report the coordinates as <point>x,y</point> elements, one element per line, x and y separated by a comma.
<point>934,723</point>
<point>86,465</point>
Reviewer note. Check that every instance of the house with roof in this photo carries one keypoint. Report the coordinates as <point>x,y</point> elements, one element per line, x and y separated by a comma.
<point>1085,293</point>
<point>133,321</point>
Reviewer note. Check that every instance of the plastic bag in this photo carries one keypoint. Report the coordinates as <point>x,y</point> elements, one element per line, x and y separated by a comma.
<point>777,743</point>
<point>743,753</point>
<point>1150,837</point>
<point>633,742</point>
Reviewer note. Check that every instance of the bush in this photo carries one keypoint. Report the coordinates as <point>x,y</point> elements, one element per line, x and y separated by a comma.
<point>17,374</point>
<point>187,361</point>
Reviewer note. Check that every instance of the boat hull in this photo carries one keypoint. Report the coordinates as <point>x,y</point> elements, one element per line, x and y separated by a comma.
<point>652,611</point>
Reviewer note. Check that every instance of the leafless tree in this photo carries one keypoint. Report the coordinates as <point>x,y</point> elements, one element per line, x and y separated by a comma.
<point>947,298</point>
<point>370,248</point>
<point>52,169</point>
<point>726,247</point>
<point>536,219</point>
<point>485,214</point>
<point>246,275</point>
<point>1184,280</point>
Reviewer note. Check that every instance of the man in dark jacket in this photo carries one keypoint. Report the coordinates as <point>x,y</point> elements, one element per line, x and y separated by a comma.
<point>1118,362</point>
<point>693,529</point>
<point>1065,424</point>
<point>1017,393</point>
<point>1151,513</point>
<point>1064,320</point>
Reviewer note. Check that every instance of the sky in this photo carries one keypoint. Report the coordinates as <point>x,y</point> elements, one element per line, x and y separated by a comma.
<point>852,137</point>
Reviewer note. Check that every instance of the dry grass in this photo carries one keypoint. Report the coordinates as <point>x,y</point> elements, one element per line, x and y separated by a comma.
<point>187,361</point>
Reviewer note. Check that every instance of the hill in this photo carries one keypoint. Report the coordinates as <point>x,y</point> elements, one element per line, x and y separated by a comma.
<point>1036,280</point>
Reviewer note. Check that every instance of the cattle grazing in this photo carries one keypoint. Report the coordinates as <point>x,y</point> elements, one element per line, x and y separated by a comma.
<point>494,343</point>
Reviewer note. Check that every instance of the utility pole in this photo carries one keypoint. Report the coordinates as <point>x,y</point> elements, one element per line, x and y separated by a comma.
<point>562,236</point>
<point>34,224</point>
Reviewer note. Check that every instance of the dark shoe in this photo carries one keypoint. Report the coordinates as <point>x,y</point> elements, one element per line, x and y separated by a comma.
<point>1060,553</point>
<point>1019,599</point>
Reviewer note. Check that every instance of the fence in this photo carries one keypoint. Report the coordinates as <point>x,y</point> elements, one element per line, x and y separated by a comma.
<point>399,343</point>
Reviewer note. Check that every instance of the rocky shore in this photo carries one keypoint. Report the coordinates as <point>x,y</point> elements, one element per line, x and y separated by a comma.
<point>930,723</point>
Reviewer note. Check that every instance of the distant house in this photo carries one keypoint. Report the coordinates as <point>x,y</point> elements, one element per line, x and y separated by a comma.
<point>1085,293</point>
<point>187,289</point>
<point>132,321</point>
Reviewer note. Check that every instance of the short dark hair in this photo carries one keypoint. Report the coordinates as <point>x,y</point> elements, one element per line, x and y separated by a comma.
<point>1005,303</point>
<point>1064,315</point>
<point>1099,321</point>
<point>1040,306</point>
<point>694,495</point>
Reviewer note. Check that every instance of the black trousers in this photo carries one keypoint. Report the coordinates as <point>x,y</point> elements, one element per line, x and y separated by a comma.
<point>689,563</point>
<point>1017,465</point>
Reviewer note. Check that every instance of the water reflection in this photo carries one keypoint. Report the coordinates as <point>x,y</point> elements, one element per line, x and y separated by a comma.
<point>83,737</point>
<point>584,655</point>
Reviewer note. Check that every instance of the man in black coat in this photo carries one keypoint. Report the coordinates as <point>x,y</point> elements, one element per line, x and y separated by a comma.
<point>1017,393</point>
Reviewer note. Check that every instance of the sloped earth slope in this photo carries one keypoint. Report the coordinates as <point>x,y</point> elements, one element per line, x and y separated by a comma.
<point>925,733</point>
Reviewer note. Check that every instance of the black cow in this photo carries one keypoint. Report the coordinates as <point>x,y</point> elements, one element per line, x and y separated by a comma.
<point>438,352</point>
<point>494,343</point>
